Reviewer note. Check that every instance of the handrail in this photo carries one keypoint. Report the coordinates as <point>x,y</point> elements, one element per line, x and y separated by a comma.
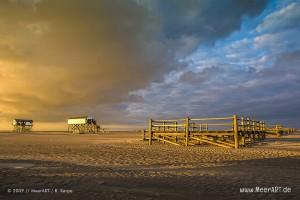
<point>206,124</point>
<point>243,130</point>
<point>211,118</point>
<point>168,125</point>
<point>167,120</point>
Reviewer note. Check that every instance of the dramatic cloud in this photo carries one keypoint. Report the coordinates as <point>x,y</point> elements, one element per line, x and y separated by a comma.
<point>285,18</point>
<point>272,94</point>
<point>60,58</point>
<point>253,72</point>
<point>76,54</point>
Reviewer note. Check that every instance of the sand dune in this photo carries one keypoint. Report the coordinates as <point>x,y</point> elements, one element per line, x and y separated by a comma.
<point>119,165</point>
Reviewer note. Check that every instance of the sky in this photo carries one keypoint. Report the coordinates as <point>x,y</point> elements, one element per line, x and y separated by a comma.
<point>125,61</point>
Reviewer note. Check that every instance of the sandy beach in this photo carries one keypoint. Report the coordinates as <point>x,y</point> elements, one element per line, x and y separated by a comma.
<point>118,165</point>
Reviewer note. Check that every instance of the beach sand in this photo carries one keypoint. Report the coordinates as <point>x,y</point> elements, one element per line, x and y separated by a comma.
<point>118,165</point>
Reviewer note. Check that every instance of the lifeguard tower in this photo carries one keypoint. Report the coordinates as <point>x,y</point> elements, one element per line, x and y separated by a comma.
<point>22,125</point>
<point>83,124</point>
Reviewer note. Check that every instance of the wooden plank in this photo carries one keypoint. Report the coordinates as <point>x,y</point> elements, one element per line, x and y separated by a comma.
<point>150,132</point>
<point>167,120</point>
<point>212,133</point>
<point>211,118</point>
<point>236,131</point>
<point>193,133</point>
<point>169,133</point>
<point>222,142</point>
<point>167,141</point>
<point>187,131</point>
<point>214,124</point>
<point>168,125</point>
<point>172,138</point>
<point>210,142</point>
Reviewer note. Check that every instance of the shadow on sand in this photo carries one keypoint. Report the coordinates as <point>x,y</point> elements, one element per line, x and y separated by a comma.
<point>157,182</point>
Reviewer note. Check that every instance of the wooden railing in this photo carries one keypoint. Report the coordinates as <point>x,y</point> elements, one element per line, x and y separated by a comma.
<point>279,130</point>
<point>232,131</point>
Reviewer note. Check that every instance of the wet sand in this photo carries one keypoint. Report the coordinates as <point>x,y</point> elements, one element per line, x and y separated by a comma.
<point>119,165</point>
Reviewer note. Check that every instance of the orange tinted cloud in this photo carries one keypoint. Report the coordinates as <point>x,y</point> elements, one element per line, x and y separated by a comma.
<point>60,58</point>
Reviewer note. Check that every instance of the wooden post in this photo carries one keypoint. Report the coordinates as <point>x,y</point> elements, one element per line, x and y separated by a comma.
<point>164,130</point>
<point>262,130</point>
<point>187,131</point>
<point>259,130</point>
<point>277,130</point>
<point>243,130</point>
<point>243,140</point>
<point>255,130</point>
<point>242,124</point>
<point>143,135</point>
<point>236,131</point>
<point>175,126</point>
<point>252,129</point>
<point>248,124</point>
<point>150,131</point>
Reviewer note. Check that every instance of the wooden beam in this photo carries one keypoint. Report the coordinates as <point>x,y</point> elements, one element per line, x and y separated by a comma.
<point>213,133</point>
<point>187,131</point>
<point>210,142</point>
<point>168,125</point>
<point>219,124</point>
<point>172,138</point>
<point>150,132</point>
<point>236,131</point>
<point>168,134</point>
<point>167,120</point>
<point>211,118</point>
<point>167,141</point>
<point>222,142</point>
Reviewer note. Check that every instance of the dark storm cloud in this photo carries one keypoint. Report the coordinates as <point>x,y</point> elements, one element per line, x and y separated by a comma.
<point>207,19</point>
<point>63,57</point>
<point>252,74</point>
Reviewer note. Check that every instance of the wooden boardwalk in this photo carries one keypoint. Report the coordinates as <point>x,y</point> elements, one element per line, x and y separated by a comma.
<point>228,132</point>
<point>279,130</point>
